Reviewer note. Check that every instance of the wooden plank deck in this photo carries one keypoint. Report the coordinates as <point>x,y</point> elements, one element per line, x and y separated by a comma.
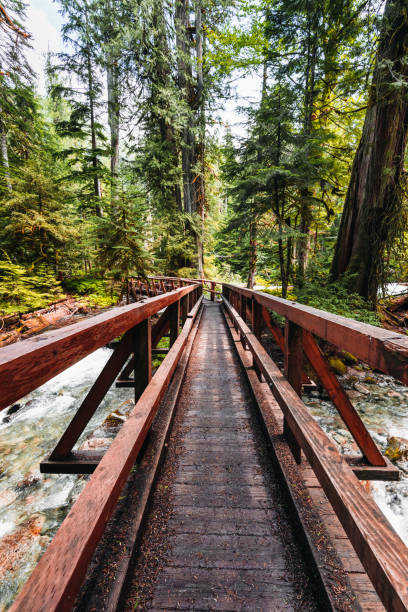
<point>231,546</point>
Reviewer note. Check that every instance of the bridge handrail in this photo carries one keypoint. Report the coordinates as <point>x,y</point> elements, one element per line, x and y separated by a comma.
<point>26,365</point>
<point>380,550</point>
<point>208,285</point>
<point>57,577</point>
<point>382,349</point>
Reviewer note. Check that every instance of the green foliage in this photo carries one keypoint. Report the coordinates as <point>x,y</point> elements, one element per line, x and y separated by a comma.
<point>333,298</point>
<point>23,290</point>
<point>98,291</point>
<point>97,187</point>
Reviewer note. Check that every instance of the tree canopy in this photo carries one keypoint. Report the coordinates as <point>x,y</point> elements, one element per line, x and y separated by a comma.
<point>130,163</point>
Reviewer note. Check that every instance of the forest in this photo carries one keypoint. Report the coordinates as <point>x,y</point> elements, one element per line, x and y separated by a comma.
<point>128,166</point>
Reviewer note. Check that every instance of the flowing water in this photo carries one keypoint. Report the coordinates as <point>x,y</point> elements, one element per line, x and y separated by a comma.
<point>382,403</point>
<point>33,505</point>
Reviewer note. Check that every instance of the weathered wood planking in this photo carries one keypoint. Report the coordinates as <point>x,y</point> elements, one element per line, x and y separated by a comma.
<point>57,577</point>
<point>225,552</point>
<point>26,365</point>
<point>381,551</point>
<point>380,348</point>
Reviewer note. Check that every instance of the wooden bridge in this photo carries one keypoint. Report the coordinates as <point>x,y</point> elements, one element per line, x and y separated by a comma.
<point>239,501</point>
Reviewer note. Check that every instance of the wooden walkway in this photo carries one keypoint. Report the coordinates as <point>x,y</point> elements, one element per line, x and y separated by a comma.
<point>231,548</point>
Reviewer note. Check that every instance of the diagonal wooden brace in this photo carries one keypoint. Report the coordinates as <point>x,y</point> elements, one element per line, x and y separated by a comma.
<point>341,400</point>
<point>94,397</point>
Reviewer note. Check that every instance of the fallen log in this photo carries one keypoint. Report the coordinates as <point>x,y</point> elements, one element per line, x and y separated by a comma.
<point>18,327</point>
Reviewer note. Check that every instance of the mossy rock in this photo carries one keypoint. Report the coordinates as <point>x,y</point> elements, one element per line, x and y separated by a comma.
<point>114,420</point>
<point>337,365</point>
<point>348,358</point>
<point>394,452</point>
<point>370,380</point>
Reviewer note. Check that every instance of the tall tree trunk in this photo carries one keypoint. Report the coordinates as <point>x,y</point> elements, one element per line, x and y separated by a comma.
<point>288,265</point>
<point>184,68</point>
<point>112,78</point>
<point>199,183</point>
<point>306,214</point>
<point>91,95</point>
<point>373,201</point>
<point>161,76</point>
<point>4,157</point>
<point>253,254</point>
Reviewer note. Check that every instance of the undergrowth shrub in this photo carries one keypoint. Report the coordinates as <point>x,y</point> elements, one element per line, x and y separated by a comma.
<point>333,298</point>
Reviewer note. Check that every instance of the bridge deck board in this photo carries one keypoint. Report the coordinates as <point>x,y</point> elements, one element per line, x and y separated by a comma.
<point>229,549</point>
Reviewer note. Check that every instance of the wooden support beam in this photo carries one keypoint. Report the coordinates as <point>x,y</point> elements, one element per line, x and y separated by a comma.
<point>142,353</point>
<point>184,308</point>
<point>93,399</point>
<point>242,306</point>
<point>364,471</point>
<point>77,462</point>
<point>174,318</point>
<point>212,292</point>
<point>257,324</point>
<point>257,319</point>
<point>274,329</point>
<point>248,312</point>
<point>294,373</point>
<point>342,402</point>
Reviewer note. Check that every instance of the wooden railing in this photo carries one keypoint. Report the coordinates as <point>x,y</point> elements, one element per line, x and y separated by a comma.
<point>382,553</point>
<point>155,285</point>
<point>26,365</point>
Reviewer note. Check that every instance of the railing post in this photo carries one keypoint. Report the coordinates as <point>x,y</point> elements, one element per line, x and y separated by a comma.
<point>294,374</point>
<point>174,316</point>
<point>184,308</point>
<point>213,292</point>
<point>242,307</point>
<point>257,322</point>
<point>142,351</point>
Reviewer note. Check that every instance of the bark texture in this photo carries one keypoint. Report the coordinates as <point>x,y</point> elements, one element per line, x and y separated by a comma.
<point>373,201</point>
